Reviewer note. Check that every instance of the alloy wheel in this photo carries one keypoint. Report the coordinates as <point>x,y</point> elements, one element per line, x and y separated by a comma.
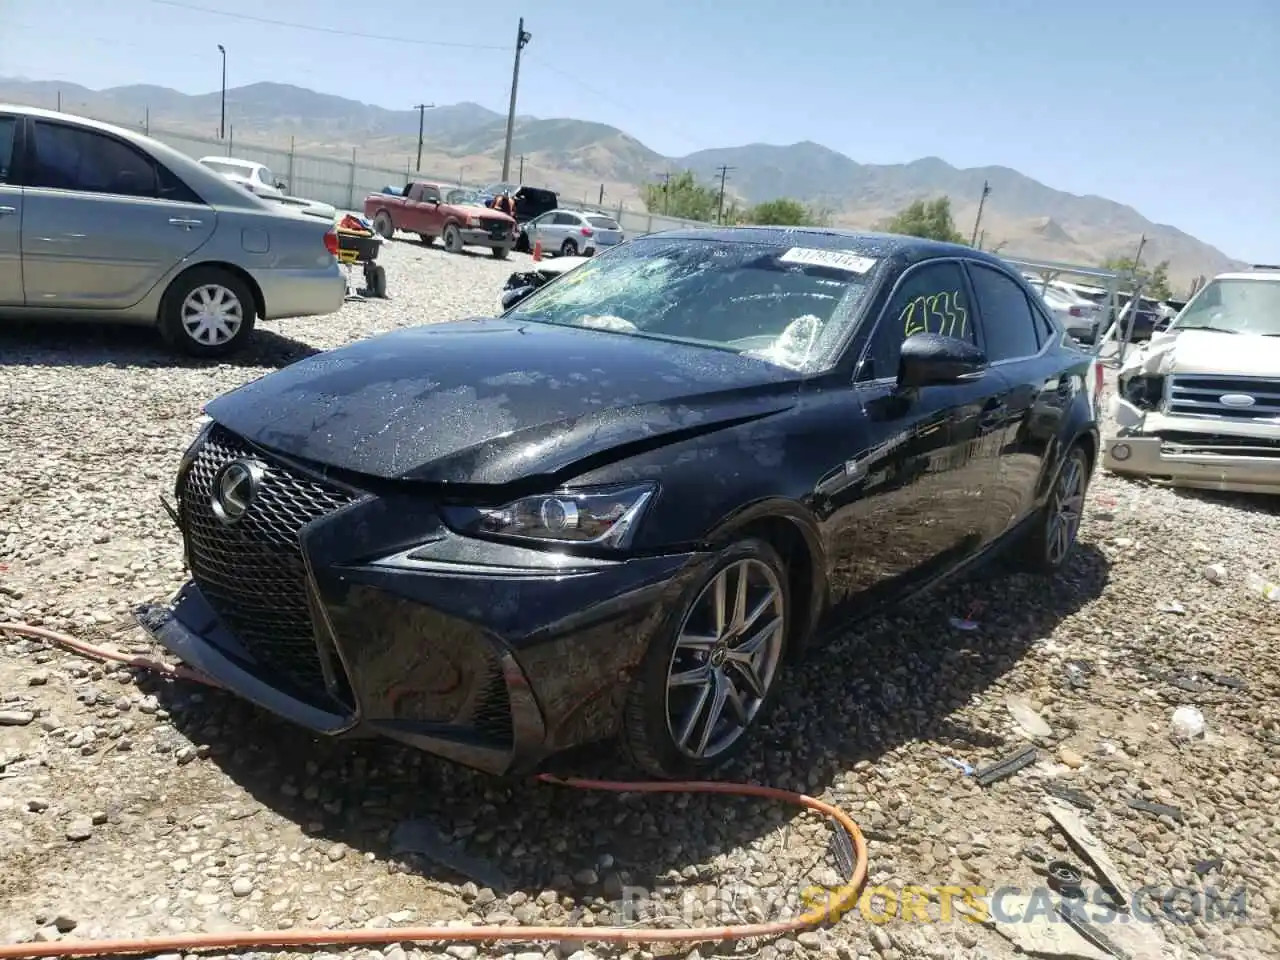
<point>1065,510</point>
<point>212,315</point>
<point>725,659</point>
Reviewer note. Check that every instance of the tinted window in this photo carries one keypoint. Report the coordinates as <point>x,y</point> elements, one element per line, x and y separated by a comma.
<point>603,223</point>
<point>8,129</point>
<point>69,158</point>
<point>1007,319</point>
<point>931,299</point>
<point>566,220</point>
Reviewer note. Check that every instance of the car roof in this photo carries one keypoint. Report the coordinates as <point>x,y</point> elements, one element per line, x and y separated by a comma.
<point>214,187</point>
<point>1273,275</point>
<point>232,162</point>
<point>864,243</point>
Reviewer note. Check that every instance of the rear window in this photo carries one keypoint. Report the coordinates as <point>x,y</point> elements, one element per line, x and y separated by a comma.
<point>603,223</point>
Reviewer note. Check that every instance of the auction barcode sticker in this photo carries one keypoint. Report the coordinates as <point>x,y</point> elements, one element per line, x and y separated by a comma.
<point>835,259</point>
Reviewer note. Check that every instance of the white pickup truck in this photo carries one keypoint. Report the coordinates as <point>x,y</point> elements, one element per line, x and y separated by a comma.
<point>1199,405</point>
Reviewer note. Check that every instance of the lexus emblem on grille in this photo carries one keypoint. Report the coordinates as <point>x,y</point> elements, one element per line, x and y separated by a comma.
<point>234,489</point>
<point>1236,400</point>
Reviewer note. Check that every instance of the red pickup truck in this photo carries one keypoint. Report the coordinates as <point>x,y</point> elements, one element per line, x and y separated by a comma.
<point>434,210</point>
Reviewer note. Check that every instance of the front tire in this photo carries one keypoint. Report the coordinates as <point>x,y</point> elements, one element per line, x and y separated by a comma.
<point>207,312</point>
<point>1052,538</point>
<point>710,675</point>
<point>452,238</point>
<point>500,253</point>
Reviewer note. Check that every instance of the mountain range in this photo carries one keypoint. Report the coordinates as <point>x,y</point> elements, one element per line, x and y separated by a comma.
<point>464,141</point>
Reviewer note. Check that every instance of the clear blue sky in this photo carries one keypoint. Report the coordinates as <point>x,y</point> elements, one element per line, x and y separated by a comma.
<point>1171,106</point>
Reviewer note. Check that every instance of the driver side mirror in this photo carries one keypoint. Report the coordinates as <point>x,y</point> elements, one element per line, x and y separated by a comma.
<point>281,185</point>
<point>930,359</point>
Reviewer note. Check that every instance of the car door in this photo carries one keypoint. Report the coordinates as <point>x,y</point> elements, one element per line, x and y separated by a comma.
<point>1020,343</point>
<point>908,501</point>
<point>102,221</point>
<point>11,196</point>
<point>427,211</point>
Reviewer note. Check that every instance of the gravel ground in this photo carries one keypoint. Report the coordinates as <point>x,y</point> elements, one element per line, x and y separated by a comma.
<point>132,807</point>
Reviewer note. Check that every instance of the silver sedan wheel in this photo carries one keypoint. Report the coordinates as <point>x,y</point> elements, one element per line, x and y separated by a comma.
<point>1065,510</point>
<point>212,315</point>
<point>725,659</point>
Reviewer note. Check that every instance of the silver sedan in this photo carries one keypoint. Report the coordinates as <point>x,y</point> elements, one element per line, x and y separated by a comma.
<point>102,223</point>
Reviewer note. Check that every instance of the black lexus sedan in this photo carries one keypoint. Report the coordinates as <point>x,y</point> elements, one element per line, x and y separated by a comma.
<point>621,508</point>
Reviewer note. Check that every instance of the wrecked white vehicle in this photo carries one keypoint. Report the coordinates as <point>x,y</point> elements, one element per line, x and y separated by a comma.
<point>1199,406</point>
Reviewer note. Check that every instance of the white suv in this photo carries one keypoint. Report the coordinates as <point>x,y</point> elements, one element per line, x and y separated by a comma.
<point>1199,406</point>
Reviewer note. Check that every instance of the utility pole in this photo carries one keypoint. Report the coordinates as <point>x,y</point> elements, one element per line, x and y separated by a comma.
<point>422,109</point>
<point>724,175</point>
<point>59,101</point>
<point>666,193</point>
<point>521,177</point>
<point>522,38</point>
<point>600,202</point>
<point>222,125</point>
<point>982,201</point>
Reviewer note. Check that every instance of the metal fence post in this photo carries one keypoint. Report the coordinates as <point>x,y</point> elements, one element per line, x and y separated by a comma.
<point>351,182</point>
<point>289,175</point>
<point>649,224</point>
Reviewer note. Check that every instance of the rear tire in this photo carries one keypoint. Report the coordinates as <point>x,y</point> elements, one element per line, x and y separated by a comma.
<point>710,673</point>
<point>500,253</point>
<point>568,249</point>
<point>453,238</point>
<point>1052,538</point>
<point>383,225</point>
<point>207,312</point>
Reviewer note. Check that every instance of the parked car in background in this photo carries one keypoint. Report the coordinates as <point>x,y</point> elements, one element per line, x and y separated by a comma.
<point>623,507</point>
<point>570,233</point>
<point>254,177</point>
<point>530,201</point>
<point>1081,318</point>
<point>1200,405</point>
<point>98,222</point>
<point>435,210</point>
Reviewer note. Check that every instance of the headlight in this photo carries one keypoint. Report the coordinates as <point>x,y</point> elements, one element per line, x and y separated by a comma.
<point>605,517</point>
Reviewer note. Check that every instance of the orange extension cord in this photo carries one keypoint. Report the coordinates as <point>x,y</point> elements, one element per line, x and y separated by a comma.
<point>838,903</point>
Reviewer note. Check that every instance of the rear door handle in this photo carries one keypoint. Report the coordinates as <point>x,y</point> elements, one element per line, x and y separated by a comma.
<point>185,223</point>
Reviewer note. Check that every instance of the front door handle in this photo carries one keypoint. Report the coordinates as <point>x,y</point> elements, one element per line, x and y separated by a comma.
<point>4,211</point>
<point>185,223</point>
<point>993,414</point>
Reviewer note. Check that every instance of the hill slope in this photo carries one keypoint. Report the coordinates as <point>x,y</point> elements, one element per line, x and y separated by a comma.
<point>1022,216</point>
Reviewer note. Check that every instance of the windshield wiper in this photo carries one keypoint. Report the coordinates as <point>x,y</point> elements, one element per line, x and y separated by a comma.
<point>1213,329</point>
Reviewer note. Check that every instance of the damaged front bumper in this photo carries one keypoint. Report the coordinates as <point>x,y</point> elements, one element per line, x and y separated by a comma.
<point>1193,452</point>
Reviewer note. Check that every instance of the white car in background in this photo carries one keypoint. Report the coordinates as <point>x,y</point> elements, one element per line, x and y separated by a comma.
<point>570,233</point>
<point>1199,406</point>
<point>254,177</point>
<point>1082,318</point>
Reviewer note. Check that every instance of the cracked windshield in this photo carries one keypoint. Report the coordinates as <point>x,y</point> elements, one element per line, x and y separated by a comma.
<point>785,304</point>
<point>1235,306</point>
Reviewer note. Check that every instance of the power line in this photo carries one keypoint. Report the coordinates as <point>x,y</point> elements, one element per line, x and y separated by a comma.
<point>314,28</point>
<point>630,108</point>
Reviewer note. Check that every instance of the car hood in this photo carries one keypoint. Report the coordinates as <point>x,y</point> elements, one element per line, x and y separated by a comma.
<point>497,401</point>
<point>1206,352</point>
<point>479,209</point>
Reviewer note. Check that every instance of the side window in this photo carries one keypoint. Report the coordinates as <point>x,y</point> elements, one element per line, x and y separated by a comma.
<point>566,220</point>
<point>69,158</point>
<point>8,131</point>
<point>1007,319</point>
<point>931,299</point>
